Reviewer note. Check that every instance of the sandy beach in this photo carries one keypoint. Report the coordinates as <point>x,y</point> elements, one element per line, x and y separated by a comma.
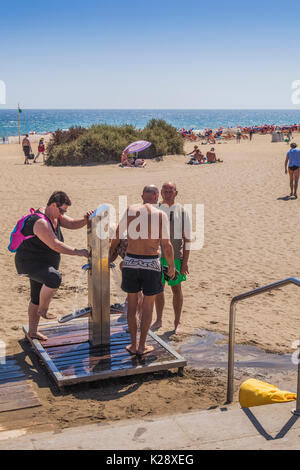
<point>251,239</point>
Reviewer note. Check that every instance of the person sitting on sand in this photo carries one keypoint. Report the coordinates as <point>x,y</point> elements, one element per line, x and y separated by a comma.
<point>197,157</point>
<point>138,162</point>
<point>211,156</point>
<point>39,256</point>
<point>292,161</point>
<point>131,162</point>
<point>125,160</point>
<point>141,266</point>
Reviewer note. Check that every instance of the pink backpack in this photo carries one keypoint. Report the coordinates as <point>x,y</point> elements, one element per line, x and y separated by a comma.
<point>17,237</point>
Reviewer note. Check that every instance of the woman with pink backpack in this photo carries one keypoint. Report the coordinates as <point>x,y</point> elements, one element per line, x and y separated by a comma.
<point>38,242</point>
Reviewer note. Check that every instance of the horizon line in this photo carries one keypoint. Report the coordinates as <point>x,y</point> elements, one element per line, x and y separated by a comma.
<point>154,109</point>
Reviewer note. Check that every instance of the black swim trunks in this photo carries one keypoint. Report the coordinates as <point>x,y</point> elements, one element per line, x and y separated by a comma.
<point>26,150</point>
<point>293,168</point>
<point>142,273</point>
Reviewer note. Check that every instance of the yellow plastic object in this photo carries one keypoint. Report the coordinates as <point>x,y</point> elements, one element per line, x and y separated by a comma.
<point>254,393</point>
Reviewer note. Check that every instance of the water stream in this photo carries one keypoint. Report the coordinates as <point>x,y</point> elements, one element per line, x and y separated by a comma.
<point>80,285</point>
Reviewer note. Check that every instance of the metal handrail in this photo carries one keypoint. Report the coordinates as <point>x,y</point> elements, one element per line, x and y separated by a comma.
<point>231,341</point>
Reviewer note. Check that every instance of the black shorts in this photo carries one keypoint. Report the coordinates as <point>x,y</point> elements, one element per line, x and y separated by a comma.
<point>26,150</point>
<point>39,274</point>
<point>142,273</point>
<point>293,168</point>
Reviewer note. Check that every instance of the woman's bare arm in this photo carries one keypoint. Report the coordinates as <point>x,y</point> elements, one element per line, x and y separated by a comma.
<point>73,224</point>
<point>44,232</point>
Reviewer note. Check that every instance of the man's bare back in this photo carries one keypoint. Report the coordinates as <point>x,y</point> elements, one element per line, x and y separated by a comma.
<point>145,225</point>
<point>211,156</point>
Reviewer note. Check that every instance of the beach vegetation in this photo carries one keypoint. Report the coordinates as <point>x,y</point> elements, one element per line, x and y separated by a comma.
<point>104,143</point>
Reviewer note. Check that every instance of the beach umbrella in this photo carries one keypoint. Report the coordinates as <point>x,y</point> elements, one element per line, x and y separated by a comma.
<point>137,146</point>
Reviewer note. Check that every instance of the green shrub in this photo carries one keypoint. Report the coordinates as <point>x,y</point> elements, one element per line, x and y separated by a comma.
<point>103,143</point>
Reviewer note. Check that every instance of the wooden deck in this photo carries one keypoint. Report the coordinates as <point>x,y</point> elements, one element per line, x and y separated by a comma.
<point>70,358</point>
<point>15,391</point>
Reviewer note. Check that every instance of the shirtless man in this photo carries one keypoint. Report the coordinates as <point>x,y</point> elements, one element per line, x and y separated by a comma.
<point>141,266</point>
<point>211,156</point>
<point>26,148</point>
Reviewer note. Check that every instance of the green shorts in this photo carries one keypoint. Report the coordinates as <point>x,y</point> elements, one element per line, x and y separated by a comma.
<point>181,277</point>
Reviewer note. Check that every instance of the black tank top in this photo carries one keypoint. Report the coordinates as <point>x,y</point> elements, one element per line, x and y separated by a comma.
<point>33,248</point>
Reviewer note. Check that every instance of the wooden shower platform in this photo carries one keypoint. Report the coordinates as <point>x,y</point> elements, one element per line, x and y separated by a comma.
<point>71,359</point>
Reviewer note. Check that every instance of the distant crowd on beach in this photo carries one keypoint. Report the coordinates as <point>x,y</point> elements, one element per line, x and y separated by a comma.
<point>213,136</point>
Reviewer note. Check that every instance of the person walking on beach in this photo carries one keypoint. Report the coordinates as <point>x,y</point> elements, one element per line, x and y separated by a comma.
<point>292,163</point>
<point>26,148</point>
<point>141,267</point>
<point>238,137</point>
<point>39,256</point>
<point>250,134</point>
<point>179,235</point>
<point>41,149</point>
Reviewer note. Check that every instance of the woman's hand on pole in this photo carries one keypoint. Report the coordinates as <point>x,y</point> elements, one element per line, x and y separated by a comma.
<point>82,252</point>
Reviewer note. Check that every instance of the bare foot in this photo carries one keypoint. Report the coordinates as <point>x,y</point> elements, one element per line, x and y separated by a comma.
<point>147,349</point>
<point>47,315</point>
<point>156,326</point>
<point>38,336</point>
<point>131,349</point>
<point>178,329</point>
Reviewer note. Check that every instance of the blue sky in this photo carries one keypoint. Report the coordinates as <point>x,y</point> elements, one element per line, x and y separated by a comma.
<point>149,53</point>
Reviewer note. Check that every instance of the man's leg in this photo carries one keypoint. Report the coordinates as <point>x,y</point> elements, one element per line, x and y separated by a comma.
<point>132,322</point>
<point>291,181</point>
<point>159,307</point>
<point>177,305</point>
<point>147,309</point>
<point>296,179</point>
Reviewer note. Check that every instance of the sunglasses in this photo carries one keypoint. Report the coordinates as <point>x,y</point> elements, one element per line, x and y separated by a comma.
<point>61,211</point>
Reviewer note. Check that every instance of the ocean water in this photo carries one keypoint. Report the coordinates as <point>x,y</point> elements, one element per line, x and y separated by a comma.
<point>48,120</point>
